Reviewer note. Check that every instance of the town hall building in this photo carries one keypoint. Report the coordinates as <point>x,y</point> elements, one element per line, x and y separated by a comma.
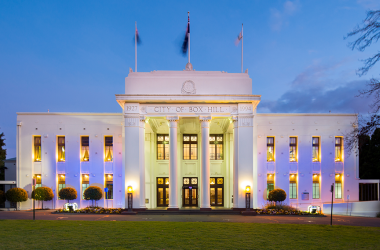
<point>188,139</point>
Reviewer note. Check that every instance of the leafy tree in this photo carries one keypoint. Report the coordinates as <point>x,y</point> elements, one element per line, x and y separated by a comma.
<point>16,195</point>
<point>2,196</point>
<point>67,194</point>
<point>277,195</point>
<point>369,33</point>
<point>43,194</point>
<point>93,193</point>
<point>3,154</point>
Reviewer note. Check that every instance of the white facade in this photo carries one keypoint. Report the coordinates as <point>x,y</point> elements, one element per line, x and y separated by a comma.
<point>180,104</point>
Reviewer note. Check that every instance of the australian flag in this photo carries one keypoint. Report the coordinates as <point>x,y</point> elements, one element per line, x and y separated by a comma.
<point>138,40</point>
<point>185,44</point>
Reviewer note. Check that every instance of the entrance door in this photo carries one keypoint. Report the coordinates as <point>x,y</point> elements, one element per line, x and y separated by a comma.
<point>216,191</point>
<point>190,192</point>
<point>162,192</point>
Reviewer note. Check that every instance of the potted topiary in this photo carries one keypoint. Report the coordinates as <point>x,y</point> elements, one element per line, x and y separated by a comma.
<point>43,194</point>
<point>93,193</point>
<point>16,195</point>
<point>277,195</point>
<point>2,197</point>
<point>68,194</point>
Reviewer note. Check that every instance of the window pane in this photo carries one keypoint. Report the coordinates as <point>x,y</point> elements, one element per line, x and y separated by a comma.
<point>194,181</point>
<point>37,148</point>
<point>61,153</point>
<point>219,151</point>
<point>167,151</point>
<point>187,196</point>
<point>212,181</point>
<point>160,138</point>
<point>338,190</point>
<point>166,138</point>
<point>220,138</point>
<point>194,151</point>
<point>338,156</point>
<point>160,180</point>
<point>186,151</point>
<point>160,196</point>
<point>270,140</point>
<point>194,138</point>
<point>315,141</point>
<point>212,138</point>
<point>220,180</point>
<point>160,151</point>
<point>315,153</point>
<point>109,153</point>
<point>212,196</point>
<point>270,187</point>
<point>292,140</point>
<point>110,191</point>
<point>194,196</point>
<point>186,138</point>
<point>315,190</point>
<point>212,151</point>
<point>292,153</point>
<point>85,153</point>
<point>186,181</point>
<point>220,196</point>
<point>270,153</point>
<point>166,181</point>
<point>167,196</point>
<point>337,140</point>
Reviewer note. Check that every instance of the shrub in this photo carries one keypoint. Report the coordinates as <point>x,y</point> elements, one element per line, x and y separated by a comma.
<point>277,195</point>
<point>378,215</point>
<point>16,195</point>
<point>93,193</point>
<point>43,194</point>
<point>275,205</point>
<point>2,197</point>
<point>67,194</point>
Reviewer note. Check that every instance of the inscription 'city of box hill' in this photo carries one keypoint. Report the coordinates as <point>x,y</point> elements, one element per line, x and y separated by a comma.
<point>188,109</point>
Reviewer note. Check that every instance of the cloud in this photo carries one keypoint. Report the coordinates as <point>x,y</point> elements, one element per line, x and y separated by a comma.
<point>320,89</point>
<point>279,17</point>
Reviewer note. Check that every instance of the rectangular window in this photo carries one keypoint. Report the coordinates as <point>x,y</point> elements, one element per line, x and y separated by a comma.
<point>270,149</point>
<point>338,186</point>
<point>163,147</point>
<point>315,142</point>
<point>293,149</point>
<point>61,148</point>
<point>85,147</point>
<point>109,186</point>
<point>61,182</point>
<point>190,147</point>
<point>38,180</point>
<point>270,183</point>
<point>108,148</point>
<point>85,183</point>
<point>37,148</point>
<point>315,186</point>
<point>338,148</point>
<point>293,186</point>
<point>216,147</point>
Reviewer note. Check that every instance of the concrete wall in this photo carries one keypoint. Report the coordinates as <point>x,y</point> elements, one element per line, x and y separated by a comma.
<point>363,208</point>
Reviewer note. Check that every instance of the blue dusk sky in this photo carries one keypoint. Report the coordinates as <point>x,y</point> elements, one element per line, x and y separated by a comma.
<point>73,56</point>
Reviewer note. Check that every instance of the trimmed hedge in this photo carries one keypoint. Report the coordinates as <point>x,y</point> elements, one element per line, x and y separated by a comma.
<point>67,194</point>
<point>277,195</point>
<point>43,194</point>
<point>2,197</point>
<point>93,193</point>
<point>16,195</point>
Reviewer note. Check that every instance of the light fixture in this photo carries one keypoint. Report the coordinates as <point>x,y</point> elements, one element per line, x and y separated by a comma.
<point>130,189</point>
<point>248,189</point>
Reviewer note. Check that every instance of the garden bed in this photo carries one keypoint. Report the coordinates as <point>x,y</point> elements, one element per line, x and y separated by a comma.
<point>93,210</point>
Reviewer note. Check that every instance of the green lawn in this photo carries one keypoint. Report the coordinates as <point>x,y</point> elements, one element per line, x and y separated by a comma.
<point>23,234</point>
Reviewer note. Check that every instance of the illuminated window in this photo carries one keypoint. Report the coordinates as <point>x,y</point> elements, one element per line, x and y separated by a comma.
<point>190,147</point>
<point>85,146</point>
<point>338,186</point>
<point>109,186</point>
<point>37,148</point>
<point>315,186</point>
<point>315,142</point>
<point>293,149</point>
<point>293,186</point>
<point>85,183</point>
<point>270,183</point>
<point>163,147</point>
<point>338,148</point>
<point>270,148</point>
<point>38,180</point>
<point>61,182</point>
<point>61,148</point>
<point>216,147</point>
<point>108,147</point>
<point>216,191</point>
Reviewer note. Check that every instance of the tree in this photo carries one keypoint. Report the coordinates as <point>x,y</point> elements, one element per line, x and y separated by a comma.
<point>67,194</point>
<point>277,195</point>
<point>3,154</point>
<point>368,33</point>
<point>2,196</point>
<point>93,193</point>
<point>16,195</point>
<point>43,194</point>
<point>369,155</point>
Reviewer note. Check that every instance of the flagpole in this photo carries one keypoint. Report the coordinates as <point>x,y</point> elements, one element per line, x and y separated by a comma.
<point>188,26</point>
<point>242,38</point>
<point>135,46</point>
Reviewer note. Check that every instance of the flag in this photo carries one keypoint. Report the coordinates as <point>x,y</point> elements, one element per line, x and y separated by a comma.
<point>138,40</point>
<point>186,40</point>
<point>237,41</point>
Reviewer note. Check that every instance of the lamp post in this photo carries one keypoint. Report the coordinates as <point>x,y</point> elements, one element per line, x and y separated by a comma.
<point>130,198</point>
<point>248,198</point>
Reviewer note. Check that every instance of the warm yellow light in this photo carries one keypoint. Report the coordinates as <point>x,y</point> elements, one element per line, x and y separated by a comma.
<point>63,176</point>
<point>337,175</point>
<point>86,175</point>
<point>292,175</point>
<point>167,182</point>
<point>130,189</point>
<point>315,175</point>
<point>248,189</point>
<point>38,176</point>
<point>270,175</point>
<point>109,175</point>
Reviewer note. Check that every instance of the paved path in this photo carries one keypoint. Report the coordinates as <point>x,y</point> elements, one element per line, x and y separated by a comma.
<point>337,220</point>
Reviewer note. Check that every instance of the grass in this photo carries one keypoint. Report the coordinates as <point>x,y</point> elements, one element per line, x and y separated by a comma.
<point>27,234</point>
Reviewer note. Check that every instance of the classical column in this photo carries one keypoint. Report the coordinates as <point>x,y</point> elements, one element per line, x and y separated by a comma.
<point>205,165</point>
<point>173,172</point>
<point>142,161</point>
<point>236,162</point>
